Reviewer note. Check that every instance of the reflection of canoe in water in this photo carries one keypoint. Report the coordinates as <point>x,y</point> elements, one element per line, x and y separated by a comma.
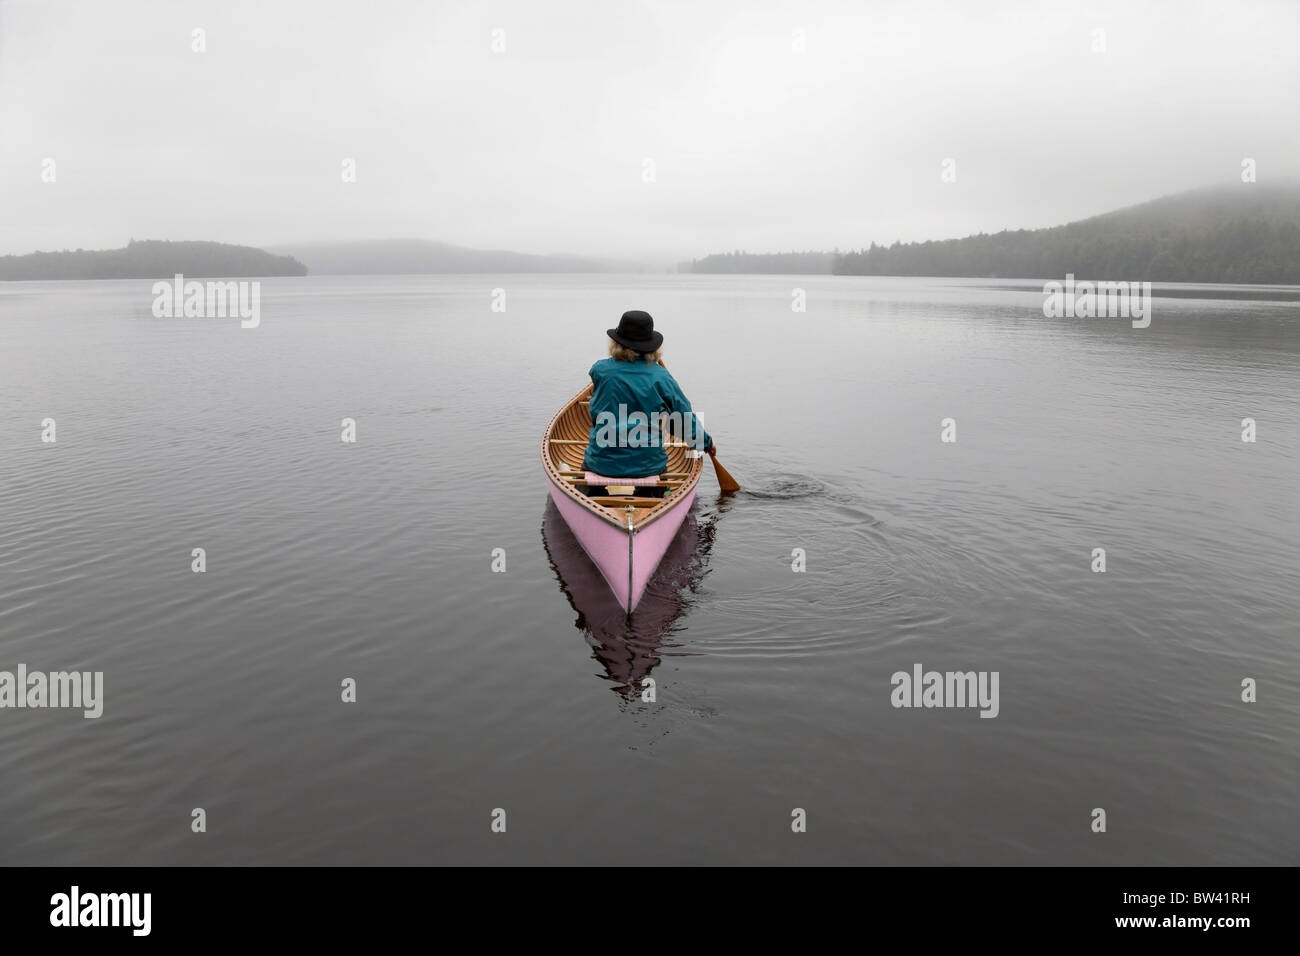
<point>628,647</point>
<point>625,535</point>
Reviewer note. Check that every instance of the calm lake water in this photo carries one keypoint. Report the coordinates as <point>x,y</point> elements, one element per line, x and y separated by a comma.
<point>478,690</point>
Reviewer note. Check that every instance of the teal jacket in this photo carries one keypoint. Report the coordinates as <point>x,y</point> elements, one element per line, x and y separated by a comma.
<point>627,396</point>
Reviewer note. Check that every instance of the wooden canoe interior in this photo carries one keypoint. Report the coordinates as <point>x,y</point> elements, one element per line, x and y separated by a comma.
<point>563,447</point>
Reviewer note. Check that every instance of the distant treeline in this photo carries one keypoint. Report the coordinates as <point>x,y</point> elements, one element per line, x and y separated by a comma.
<point>1246,233</point>
<point>778,263</point>
<point>151,260</point>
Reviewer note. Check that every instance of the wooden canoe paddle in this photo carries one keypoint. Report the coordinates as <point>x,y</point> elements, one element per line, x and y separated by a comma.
<point>725,481</point>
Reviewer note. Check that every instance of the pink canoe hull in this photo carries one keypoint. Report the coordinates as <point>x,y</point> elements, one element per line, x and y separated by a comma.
<point>627,570</point>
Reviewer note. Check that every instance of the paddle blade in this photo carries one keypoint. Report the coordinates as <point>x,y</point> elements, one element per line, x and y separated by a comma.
<point>725,481</point>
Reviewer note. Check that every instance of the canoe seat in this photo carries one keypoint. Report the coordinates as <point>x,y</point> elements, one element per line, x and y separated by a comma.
<point>620,486</point>
<point>594,479</point>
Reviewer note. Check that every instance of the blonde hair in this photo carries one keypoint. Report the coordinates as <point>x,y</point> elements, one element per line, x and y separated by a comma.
<point>624,354</point>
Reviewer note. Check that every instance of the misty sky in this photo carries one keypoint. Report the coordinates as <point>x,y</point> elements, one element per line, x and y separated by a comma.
<point>541,148</point>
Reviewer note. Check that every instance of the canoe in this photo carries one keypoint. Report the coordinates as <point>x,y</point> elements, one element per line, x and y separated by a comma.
<point>625,535</point>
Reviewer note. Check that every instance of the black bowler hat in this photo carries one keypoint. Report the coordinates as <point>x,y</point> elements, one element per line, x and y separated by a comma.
<point>636,330</point>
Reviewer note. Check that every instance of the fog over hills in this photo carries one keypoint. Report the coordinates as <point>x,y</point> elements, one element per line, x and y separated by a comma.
<point>425,256</point>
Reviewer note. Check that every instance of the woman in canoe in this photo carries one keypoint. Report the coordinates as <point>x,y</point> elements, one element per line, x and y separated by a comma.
<point>631,388</point>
